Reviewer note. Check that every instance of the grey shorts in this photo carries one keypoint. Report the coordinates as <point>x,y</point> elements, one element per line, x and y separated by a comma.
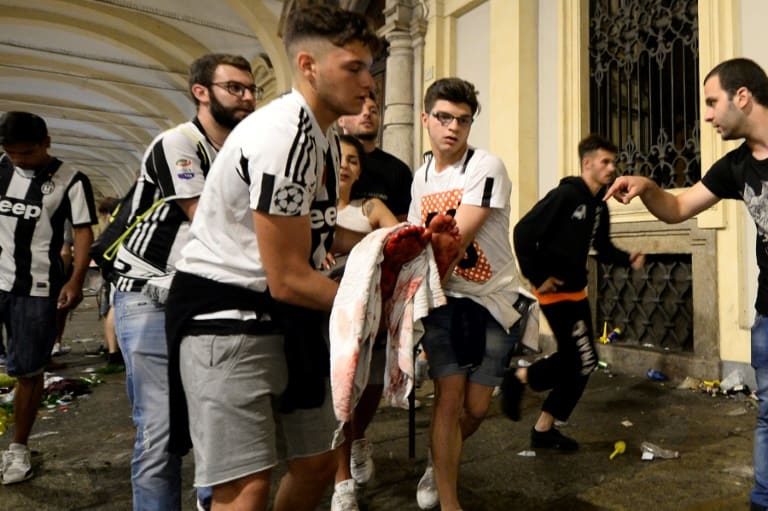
<point>442,358</point>
<point>231,384</point>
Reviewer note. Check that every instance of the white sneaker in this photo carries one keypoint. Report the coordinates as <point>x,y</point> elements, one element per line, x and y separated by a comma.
<point>344,498</point>
<point>426,491</point>
<point>17,466</point>
<point>60,349</point>
<point>361,462</point>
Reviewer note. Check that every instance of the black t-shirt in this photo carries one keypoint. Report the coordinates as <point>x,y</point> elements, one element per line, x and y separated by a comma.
<point>387,178</point>
<point>738,175</point>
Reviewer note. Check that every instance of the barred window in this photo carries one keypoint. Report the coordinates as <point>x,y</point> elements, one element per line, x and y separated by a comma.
<point>644,86</point>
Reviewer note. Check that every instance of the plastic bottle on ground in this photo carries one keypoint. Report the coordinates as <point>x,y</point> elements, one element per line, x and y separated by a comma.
<point>651,451</point>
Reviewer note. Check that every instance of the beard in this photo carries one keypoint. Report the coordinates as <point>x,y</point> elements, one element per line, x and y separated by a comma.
<point>225,116</point>
<point>367,135</point>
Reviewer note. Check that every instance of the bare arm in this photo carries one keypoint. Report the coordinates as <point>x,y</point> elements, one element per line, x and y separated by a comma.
<point>344,240</point>
<point>188,206</point>
<point>285,244</point>
<point>665,206</point>
<point>72,292</point>
<point>469,219</point>
<point>379,214</point>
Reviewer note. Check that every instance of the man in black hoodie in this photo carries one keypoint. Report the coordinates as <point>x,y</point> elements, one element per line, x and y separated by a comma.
<point>552,242</point>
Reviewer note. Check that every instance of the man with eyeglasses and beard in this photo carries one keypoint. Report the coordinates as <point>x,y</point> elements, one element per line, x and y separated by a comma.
<point>172,176</point>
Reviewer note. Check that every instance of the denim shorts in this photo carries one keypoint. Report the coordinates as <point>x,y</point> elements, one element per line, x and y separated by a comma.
<point>442,358</point>
<point>30,322</point>
<point>231,383</point>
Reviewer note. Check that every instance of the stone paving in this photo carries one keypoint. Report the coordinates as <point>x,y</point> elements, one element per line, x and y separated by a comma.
<point>82,453</point>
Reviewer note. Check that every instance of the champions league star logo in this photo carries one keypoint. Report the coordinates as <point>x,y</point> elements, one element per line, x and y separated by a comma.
<point>47,187</point>
<point>288,199</point>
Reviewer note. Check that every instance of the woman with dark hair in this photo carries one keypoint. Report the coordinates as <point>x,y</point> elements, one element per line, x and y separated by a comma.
<point>361,216</point>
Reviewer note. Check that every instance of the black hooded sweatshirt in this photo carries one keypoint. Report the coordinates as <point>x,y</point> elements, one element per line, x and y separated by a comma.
<point>553,239</point>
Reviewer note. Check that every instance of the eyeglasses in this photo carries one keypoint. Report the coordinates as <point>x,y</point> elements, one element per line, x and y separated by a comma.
<point>445,119</point>
<point>238,89</point>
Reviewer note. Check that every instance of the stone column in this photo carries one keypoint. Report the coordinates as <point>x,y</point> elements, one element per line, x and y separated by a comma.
<point>418,30</point>
<point>398,132</point>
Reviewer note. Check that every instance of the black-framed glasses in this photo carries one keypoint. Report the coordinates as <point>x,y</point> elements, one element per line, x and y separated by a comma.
<point>445,119</point>
<point>238,89</point>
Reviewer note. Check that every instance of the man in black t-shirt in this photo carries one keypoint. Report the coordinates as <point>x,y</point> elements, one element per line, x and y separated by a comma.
<point>736,95</point>
<point>386,177</point>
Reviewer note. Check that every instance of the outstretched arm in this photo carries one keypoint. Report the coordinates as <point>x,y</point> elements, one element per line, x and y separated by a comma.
<point>665,206</point>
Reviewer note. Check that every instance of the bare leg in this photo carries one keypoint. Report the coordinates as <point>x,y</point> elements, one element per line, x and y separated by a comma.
<point>110,337</point>
<point>476,403</point>
<point>545,421</point>
<point>303,485</point>
<point>25,405</point>
<point>447,437</point>
<point>355,430</point>
<point>247,493</point>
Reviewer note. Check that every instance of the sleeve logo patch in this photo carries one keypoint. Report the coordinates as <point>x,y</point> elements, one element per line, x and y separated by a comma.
<point>183,163</point>
<point>288,199</point>
<point>185,175</point>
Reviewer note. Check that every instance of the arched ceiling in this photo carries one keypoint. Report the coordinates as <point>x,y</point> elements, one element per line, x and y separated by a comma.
<point>109,75</point>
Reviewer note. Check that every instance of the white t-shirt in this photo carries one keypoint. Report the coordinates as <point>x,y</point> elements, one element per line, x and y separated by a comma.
<point>276,161</point>
<point>478,179</point>
<point>353,218</point>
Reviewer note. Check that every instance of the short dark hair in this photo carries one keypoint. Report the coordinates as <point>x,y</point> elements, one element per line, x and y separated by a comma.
<point>22,128</point>
<point>454,90</point>
<point>201,71</point>
<point>741,72</point>
<point>355,142</point>
<point>338,26</point>
<point>593,142</point>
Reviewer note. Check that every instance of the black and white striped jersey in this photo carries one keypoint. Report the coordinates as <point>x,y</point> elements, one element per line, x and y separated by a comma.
<point>34,208</point>
<point>174,167</point>
<point>276,161</point>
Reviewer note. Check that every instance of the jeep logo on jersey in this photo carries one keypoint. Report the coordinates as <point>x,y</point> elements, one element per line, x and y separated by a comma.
<point>20,208</point>
<point>288,199</point>
<point>321,217</point>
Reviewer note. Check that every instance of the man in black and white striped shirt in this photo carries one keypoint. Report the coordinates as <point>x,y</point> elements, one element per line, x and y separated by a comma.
<point>173,173</point>
<point>247,290</point>
<point>38,195</point>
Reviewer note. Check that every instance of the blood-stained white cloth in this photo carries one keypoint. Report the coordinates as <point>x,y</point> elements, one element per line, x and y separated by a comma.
<point>356,315</point>
<point>417,291</point>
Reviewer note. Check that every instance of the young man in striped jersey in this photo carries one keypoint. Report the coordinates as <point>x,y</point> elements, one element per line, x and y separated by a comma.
<point>38,195</point>
<point>172,177</point>
<point>246,306</point>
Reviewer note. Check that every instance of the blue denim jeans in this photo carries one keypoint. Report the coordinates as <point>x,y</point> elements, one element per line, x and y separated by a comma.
<point>155,473</point>
<point>759,493</point>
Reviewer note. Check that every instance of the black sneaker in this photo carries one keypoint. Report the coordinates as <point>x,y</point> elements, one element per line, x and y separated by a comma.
<point>511,395</point>
<point>552,439</point>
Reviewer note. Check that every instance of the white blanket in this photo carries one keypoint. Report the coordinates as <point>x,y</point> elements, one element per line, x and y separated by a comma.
<point>356,316</point>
